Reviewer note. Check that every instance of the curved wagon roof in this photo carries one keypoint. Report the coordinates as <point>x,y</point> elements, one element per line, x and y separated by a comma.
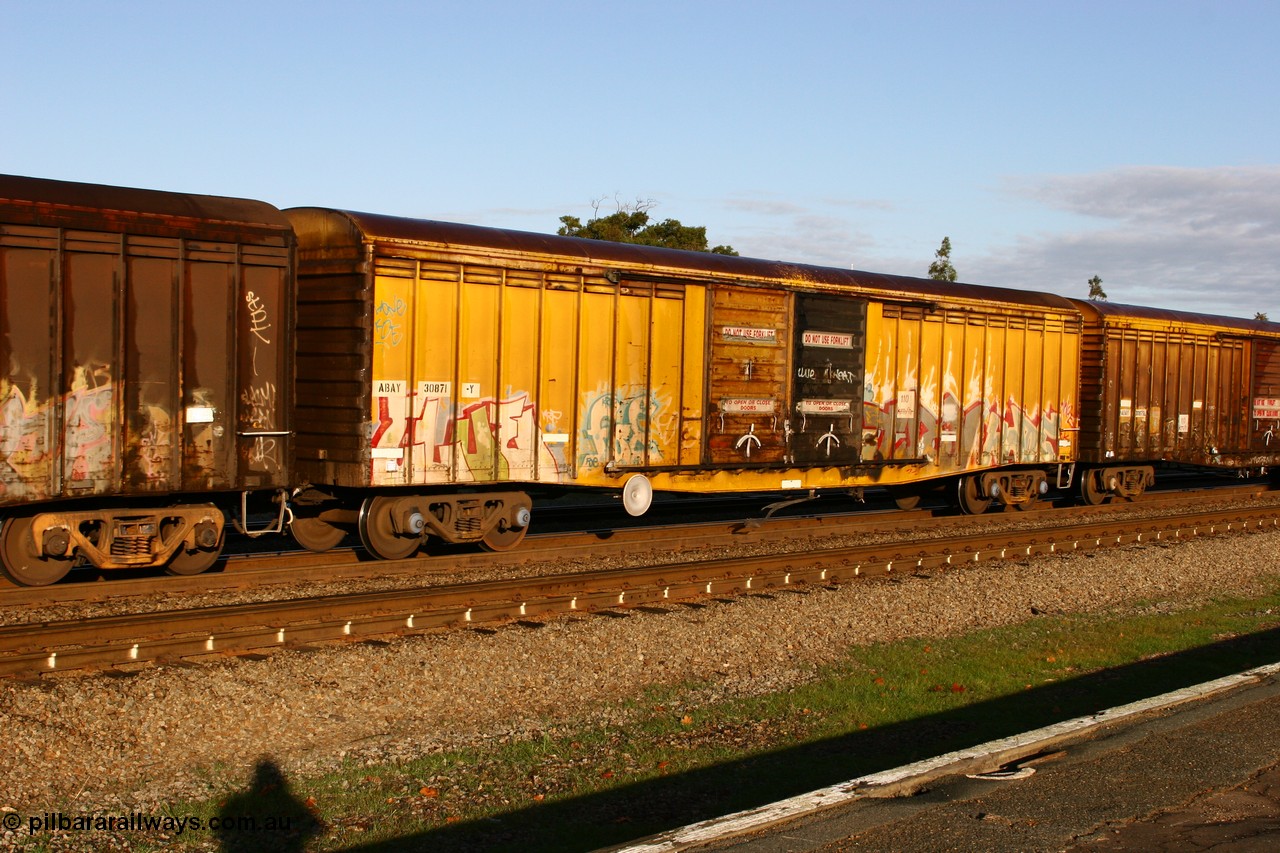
<point>67,204</point>
<point>1112,313</point>
<point>343,232</point>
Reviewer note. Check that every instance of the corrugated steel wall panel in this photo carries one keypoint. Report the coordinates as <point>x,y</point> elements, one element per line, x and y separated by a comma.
<point>968,390</point>
<point>144,349</point>
<point>1265,430</point>
<point>1168,390</point>
<point>748,382</point>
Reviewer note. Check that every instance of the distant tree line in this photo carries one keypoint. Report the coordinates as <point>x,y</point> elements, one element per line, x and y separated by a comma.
<point>629,223</point>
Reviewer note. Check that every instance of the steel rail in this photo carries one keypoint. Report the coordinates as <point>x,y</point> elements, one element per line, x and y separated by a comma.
<point>119,641</point>
<point>342,563</point>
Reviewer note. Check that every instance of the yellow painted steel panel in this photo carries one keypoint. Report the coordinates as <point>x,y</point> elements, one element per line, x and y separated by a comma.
<point>663,416</point>
<point>879,386</point>
<point>557,395</point>
<point>967,391</point>
<point>1017,432</point>
<point>435,369</point>
<point>392,371</point>
<point>517,432</point>
<point>632,403</point>
<point>595,383</point>
<point>1061,393</point>
<point>989,421</point>
<point>476,433</point>
<point>905,403</point>
<point>693,379</point>
<point>929,392</point>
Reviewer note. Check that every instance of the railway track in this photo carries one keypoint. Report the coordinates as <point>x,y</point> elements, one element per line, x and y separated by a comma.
<point>114,642</point>
<point>258,570</point>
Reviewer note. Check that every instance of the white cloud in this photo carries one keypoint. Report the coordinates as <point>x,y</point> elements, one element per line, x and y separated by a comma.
<point>1192,239</point>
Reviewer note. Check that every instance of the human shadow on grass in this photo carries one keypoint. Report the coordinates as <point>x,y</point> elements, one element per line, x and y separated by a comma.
<point>267,816</point>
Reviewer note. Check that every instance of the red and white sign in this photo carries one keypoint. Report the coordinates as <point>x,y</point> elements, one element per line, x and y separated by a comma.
<point>747,406</point>
<point>824,407</point>
<point>832,340</point>
<point>745,333</point>
<point>1266,408</point>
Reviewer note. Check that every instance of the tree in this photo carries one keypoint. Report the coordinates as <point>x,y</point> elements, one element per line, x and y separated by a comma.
<point>1261,317</point>
<point>941,268</point>
<point>630,224</point>
<point>1096,293</point>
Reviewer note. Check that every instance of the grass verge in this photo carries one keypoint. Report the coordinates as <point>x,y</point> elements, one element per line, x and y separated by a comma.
<point>681,760</point>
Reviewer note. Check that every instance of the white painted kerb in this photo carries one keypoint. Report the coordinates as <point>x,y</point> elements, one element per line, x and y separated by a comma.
<point>750,820</point>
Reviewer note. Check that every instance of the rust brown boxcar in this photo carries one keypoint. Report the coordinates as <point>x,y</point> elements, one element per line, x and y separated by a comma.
<point>145,354</point>
<point>1173,387</point>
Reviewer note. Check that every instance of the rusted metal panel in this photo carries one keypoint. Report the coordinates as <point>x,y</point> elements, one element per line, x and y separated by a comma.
<point>1175,387</point>
<point>263,380</point>
<point>334,349</point>
<point>29,360</point>
<point>127,367</point>
<point>749,369</point>
<point>1265,426</point>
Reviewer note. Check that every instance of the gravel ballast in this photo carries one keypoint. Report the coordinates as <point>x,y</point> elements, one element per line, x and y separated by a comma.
<point>109,743</point>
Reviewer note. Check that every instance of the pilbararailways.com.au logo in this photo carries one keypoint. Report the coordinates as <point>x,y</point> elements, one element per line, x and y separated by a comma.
<point>139,822</point>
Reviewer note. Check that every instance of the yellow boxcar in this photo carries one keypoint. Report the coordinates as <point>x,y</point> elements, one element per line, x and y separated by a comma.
<point>446,366</point>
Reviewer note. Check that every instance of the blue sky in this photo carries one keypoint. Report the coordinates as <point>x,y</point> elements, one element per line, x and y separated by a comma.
<point>1051,142</point>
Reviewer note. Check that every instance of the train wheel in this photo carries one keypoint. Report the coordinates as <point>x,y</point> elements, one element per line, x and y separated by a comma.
<point>186,562</point>
<point>1091,491</point>
<point>502,538</point>
<point>315,534</point>
<point>379,535</point>
<point>23,561</point>
<point>905,498</point>
<point>193,562</point>
<point>968,498</point>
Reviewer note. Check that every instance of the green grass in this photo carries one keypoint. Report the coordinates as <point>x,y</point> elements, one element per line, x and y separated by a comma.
<point>677,761</point>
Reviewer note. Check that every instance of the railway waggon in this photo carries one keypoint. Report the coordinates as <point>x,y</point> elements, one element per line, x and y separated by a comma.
<point>174,364</point>
<point>145,373</point>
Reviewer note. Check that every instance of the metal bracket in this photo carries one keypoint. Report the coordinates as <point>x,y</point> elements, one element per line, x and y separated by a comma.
<point>770,509</point>
<point>242,523</point>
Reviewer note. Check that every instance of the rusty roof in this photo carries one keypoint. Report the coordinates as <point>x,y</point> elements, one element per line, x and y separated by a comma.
<point>1112,312</point>
<point>383,229</point>
<point>38,201</point>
